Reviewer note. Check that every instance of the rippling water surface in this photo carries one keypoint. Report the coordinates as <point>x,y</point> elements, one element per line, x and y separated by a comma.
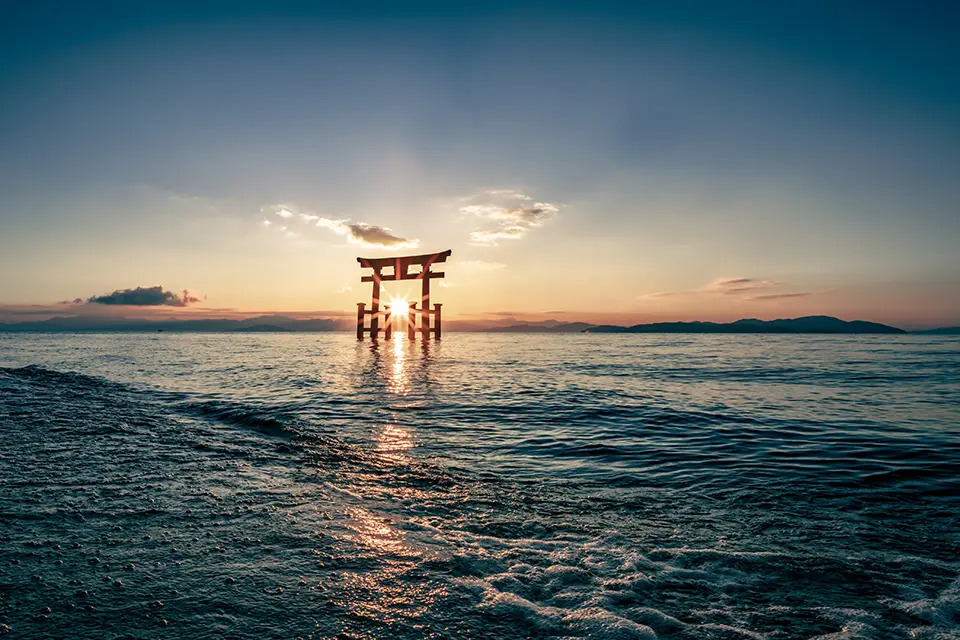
<point>489,486</point>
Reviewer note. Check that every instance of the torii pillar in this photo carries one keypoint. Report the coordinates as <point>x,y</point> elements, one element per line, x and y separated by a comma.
<point>401,271</point>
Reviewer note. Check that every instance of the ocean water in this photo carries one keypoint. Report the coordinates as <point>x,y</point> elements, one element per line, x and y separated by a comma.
<point>487,486</point>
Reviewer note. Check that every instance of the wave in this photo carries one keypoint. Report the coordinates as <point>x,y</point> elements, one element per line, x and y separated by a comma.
<point>40,374</point>
<point>269,421</point>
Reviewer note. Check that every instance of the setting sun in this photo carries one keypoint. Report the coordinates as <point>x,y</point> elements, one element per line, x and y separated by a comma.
<point>399,307</point>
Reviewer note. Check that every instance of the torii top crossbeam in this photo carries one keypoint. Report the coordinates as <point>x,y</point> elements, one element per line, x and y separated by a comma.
<point>400,270</point>
<point>401,266</point>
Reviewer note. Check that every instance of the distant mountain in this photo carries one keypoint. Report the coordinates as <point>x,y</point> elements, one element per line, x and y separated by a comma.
<point>277,324</point>
<point>111,324</point>
<point>542,327</point>
<point>808,324</point>
<point>262,328</point>
<point>942,331</point>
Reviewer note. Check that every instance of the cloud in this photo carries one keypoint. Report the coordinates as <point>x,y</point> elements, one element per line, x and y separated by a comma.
<point>287,210</point>
<point>146,297</point>
<point>360,233</point>
<point>284,210</point>
<point>344,289</point>
<point>722,286</point>
<point>724,282</point>
<point>367,235</point>
<point>670,294</point>
<point>534,214</point>
<point>501,194</point>
<point>485,238</point>
<point>730,286</point>
<point>480,265</point>
<point>778,296</point>
<point>503,219</point>
<point>508,193</point>
<point>792,294</point>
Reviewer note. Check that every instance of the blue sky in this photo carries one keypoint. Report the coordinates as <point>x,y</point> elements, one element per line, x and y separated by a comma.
<point>623,160</point>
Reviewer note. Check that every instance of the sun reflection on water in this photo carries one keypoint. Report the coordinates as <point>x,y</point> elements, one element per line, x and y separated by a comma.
<point>399,382</point>
<point>374,531</point>
<point>393,441</point>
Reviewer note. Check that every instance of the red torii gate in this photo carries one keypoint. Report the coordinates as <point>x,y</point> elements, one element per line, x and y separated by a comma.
<point>401,271</point>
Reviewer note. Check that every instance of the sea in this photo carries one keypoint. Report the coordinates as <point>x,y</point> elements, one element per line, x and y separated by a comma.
<point>309,485</point>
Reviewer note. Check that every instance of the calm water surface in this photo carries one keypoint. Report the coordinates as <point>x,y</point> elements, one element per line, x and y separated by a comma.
<point>489,486</point>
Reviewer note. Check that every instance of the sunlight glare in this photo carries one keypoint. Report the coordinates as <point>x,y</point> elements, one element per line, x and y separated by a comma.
<point>399,307</point>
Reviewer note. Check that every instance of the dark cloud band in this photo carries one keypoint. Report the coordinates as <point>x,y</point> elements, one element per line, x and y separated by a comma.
<point>145,297</point>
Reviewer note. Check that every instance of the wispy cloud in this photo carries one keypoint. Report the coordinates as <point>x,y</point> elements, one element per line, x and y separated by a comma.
<point>146,297</point>
<point>792,294</point>
<point>503,219</point>
<point>729,286</point>
<point>360,233</point>
<point>480,265</point>
<point>487,238</point>
<point>344,289</point>
<point>196,203</point>
<point>289,210</point>
<point>721,286</point>
<point>508,193</point>
<point>367,235</point>
<point>779,296</point>
<point>496,193</point>
<point>670,294</point>
<point>283,209</point>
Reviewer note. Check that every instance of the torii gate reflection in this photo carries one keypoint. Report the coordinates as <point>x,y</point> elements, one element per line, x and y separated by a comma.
<point>401,271</point>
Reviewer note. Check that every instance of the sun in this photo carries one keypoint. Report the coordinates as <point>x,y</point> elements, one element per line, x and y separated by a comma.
<point>399,307</point>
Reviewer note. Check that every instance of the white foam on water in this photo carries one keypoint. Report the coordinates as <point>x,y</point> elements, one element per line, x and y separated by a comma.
<point>601,587</point>
<point>729,631</point>
<point>591,622</point>
<point>942,612</point>
<point>576,586</point>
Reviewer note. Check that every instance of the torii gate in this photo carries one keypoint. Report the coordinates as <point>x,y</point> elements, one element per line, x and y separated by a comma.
<point>401,271</point>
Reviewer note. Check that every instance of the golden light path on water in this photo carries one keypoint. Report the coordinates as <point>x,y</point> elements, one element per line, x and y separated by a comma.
<point>392,441</point>
<point>385,596</point>
<point>399,383</point>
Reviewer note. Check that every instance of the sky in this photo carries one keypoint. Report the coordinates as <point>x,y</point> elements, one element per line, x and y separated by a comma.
<point>601,162</point>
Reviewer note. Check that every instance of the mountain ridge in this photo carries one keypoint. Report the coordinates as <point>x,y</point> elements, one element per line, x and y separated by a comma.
<point>279,323</point>
<point>217,325</point>
<point>804,324</point>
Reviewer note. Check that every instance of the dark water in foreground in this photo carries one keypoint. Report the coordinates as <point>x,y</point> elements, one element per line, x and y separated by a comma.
<point>492,486</point>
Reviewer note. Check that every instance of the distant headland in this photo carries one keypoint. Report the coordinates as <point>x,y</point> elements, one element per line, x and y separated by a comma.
<point>807,324</point>
<point>104,324</point>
